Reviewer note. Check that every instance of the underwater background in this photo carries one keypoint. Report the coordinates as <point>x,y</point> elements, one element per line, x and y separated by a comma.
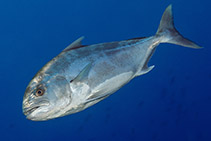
<point>170,103</point>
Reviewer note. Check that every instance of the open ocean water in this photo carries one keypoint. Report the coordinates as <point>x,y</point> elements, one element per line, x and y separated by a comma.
<point>170,103</point>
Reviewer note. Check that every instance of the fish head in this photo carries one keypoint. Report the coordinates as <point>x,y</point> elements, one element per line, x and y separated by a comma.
<point>45,97</point>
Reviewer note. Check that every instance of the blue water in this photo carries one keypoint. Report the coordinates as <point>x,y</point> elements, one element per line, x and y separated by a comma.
<point>170,103</point>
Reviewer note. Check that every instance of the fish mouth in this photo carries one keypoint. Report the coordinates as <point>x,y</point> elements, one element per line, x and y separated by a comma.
<point>28,111</point>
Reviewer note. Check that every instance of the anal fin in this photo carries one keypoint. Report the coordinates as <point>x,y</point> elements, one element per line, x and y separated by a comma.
<point>144,70</point>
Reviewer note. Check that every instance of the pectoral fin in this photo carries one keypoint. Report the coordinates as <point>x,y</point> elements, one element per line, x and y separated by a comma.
<point>83,75</point>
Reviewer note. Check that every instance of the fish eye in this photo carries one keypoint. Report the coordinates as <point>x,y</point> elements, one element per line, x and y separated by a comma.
<point>39,92</point>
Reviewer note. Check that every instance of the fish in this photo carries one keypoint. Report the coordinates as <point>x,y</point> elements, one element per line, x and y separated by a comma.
<point>83,75</point>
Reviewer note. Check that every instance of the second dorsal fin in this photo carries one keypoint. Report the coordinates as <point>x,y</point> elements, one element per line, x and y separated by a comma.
<point>75,44</point>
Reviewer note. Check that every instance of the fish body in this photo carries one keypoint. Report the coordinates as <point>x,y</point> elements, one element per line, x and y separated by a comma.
<point>81,76</point>
<point>109,66</point>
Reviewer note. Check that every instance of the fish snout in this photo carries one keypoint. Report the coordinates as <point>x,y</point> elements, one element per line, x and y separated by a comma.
<point>30,108</point>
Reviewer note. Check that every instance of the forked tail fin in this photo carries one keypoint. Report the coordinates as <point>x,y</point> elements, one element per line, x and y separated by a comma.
<point>168,32</point>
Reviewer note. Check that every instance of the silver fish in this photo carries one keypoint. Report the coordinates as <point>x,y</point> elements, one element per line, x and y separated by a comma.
<point>81,76</point>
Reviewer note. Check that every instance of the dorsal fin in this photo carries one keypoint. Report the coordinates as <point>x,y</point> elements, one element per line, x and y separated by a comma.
<point>75,44</point>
